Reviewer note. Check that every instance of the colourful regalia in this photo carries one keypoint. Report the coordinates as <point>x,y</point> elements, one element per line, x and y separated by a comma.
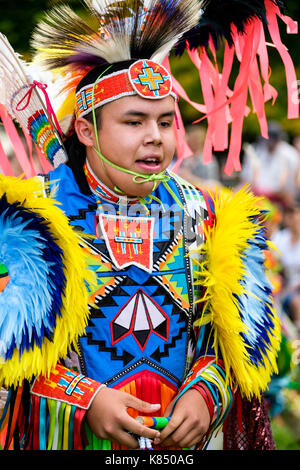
<point>149,295</point>
<point>154,327</point>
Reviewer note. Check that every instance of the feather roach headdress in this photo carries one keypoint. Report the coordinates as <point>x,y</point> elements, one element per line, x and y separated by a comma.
<point>122,30</point>
<point>121,47</point>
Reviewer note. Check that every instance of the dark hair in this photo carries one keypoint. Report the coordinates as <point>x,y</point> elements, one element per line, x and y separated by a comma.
<point>76,152</point>
<point>102,71</point>
<point>75,149</point>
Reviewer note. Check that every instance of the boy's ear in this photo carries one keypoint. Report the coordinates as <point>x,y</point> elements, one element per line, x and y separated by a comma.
<point>85,132</point>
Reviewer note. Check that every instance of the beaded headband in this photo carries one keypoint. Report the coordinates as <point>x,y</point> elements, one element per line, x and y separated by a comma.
<point>144,78</point>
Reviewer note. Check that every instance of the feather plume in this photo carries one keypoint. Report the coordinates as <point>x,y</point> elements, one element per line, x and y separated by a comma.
<point>44,306</point>
<point>32,257</point>
<point>238,300</point>
<point>122,30</point>
<point>25,103</point>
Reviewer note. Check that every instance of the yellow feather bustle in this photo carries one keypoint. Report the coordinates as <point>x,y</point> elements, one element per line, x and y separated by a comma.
<point>221,272</point>
<point>74,312</point>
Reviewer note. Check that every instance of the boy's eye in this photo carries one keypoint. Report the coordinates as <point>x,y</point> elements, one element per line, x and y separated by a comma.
<point>133,123</point>
<point>165,124</point>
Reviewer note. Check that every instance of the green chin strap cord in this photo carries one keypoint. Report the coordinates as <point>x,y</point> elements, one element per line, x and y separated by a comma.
<point>138,178</point>
<point>143,179</point>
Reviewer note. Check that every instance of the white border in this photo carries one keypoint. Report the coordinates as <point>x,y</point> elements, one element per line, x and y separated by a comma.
<point>106,239</point>
<point>134,85</point>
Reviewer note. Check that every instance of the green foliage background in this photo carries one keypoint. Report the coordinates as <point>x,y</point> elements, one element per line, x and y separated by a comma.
<point>18,18</point>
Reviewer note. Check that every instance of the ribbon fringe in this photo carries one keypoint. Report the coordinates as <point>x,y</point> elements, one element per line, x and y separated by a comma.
<point>46,425</point>
<point>222,105</point>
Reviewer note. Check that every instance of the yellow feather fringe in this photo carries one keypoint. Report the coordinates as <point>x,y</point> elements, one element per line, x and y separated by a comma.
<point>220,272</point>
<point>74,313</point>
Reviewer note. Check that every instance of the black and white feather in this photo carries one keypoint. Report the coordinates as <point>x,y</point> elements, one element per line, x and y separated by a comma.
<point>218,19</point>
<point>119,30</point>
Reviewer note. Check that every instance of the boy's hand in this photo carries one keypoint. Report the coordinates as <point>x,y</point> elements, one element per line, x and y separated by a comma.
<point>108,417</point>
<point>189,422</point>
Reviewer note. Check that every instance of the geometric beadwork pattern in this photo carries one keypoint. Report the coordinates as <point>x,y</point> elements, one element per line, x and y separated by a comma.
<point>128,239</point>
<point>4,277</point>
<point>140,316</point>
<point>141,311</point>
<point>149,79</point>
<point>66,386</point>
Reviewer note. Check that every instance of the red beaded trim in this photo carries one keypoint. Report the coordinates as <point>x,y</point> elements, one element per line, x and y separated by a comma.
<point>108,88</point>
<point>67,386</point>
<point>102,191</point>
<point>97,187</point>
<point>144,77</point>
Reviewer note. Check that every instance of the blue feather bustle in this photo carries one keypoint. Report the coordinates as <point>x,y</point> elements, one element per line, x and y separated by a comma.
<point>255,304</point>
<point>32,299</point>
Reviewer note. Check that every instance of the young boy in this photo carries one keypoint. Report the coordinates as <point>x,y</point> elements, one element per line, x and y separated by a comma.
<point>172,330</point>
<point>139,315</point>
<point>145,145</point>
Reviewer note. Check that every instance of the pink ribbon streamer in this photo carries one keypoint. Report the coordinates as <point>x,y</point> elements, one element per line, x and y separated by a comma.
<point>204,67</point>
<point>220,136</point>
<point>215,91</point>
<point>221,110</point>
<point>245,53</point>
<point>5,163</point>
<point>222,116</point>
<point>25,160</point>
<point>291,79</point>
<point>45,164</point>
<point>17,143</point>
<point>255,85</point>
<point>269,91</point>
<point>183,150</point>
<point>182,93</point>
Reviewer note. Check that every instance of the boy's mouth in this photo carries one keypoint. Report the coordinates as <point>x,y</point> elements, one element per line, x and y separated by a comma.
<point>150,164</point>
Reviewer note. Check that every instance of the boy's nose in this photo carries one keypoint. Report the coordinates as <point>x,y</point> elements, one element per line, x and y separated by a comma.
<point>153,135</point>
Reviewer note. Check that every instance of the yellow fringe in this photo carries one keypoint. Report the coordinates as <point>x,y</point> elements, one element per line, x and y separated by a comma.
<point>220,272</point>
<point>74,313</point>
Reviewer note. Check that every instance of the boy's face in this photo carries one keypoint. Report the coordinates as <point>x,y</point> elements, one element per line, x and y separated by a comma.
<point>136,134</point>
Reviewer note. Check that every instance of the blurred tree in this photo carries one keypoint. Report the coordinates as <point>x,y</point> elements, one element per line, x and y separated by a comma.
<point>18,19</point>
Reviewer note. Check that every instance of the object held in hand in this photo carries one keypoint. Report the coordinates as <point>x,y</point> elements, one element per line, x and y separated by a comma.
<point>158,423</point>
